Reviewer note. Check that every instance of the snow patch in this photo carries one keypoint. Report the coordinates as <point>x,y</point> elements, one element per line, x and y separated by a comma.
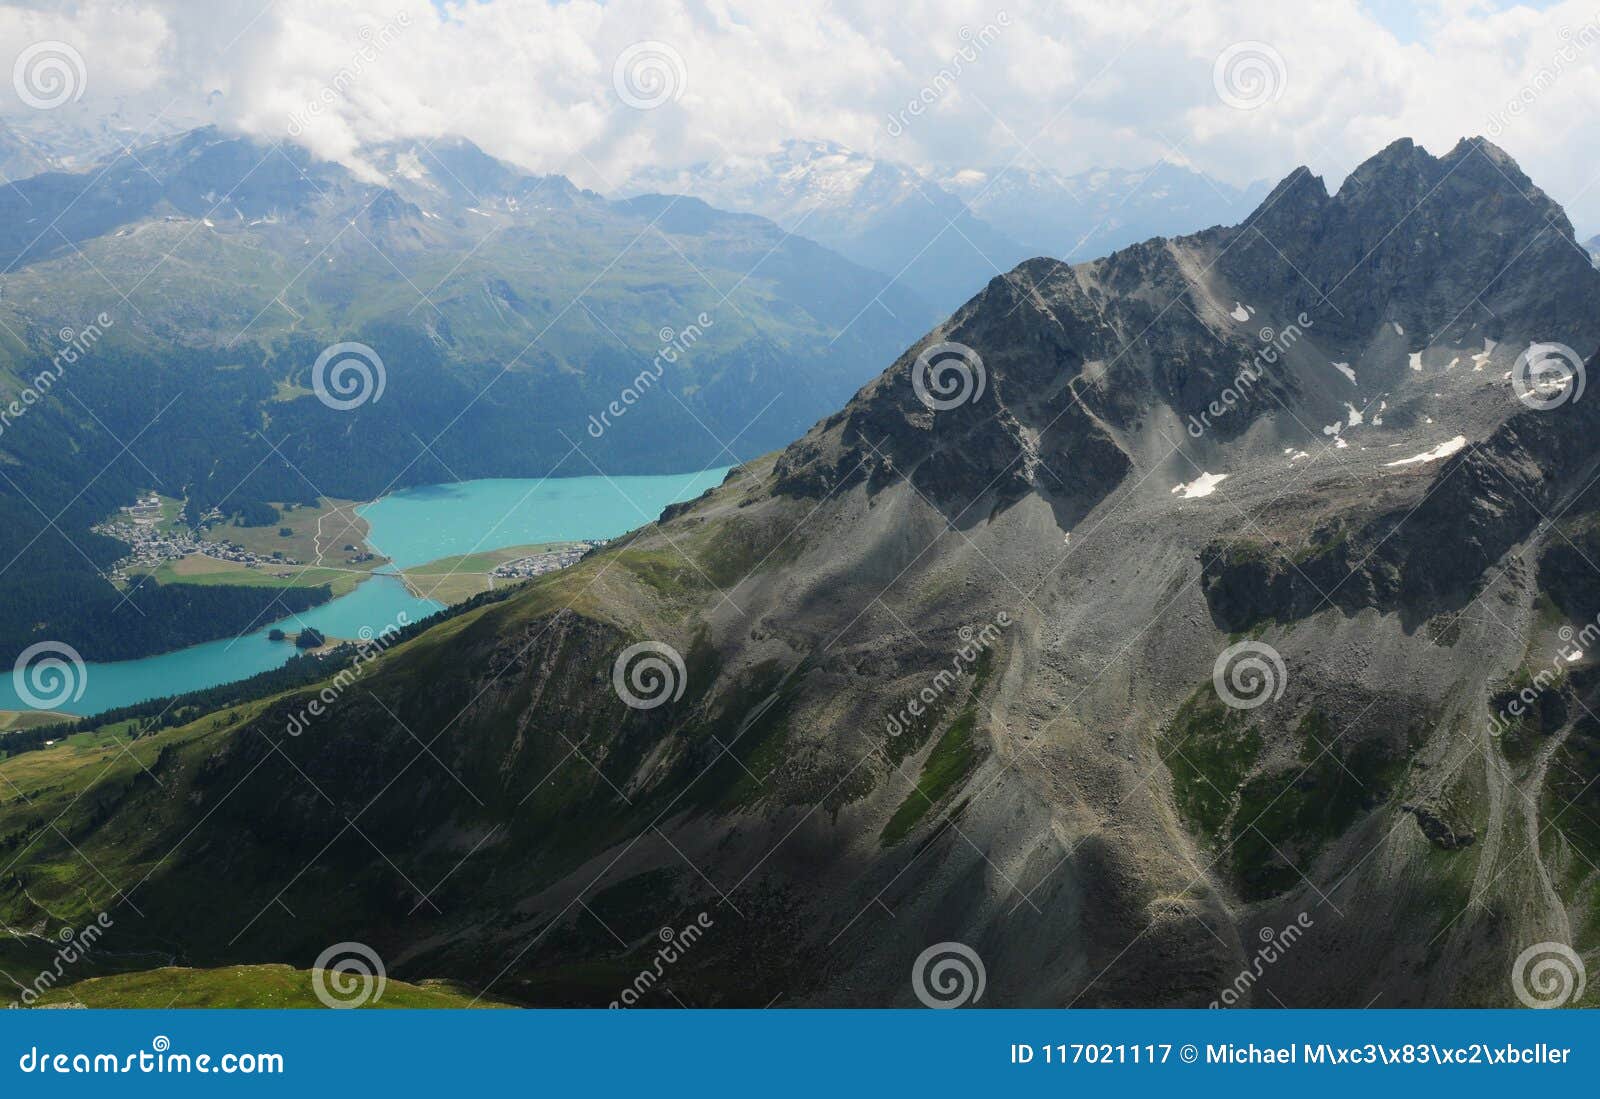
<point>1344,368</point>
<point>1416,360</point>
<point>1398,331</point>
<point>1203,485</point>
<point>1443,450</point>
<point>1241,312</point>
<point>1482,357</point>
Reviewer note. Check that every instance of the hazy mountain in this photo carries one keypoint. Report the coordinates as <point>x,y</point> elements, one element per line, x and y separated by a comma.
<point>1089,214</point>
<point>74,136</point>
<point>20,156</point>
<point>507,310</point>
<point>1592,246</point>
<point>962,674</point>
<point>948,236</point>
<point>879,213</point>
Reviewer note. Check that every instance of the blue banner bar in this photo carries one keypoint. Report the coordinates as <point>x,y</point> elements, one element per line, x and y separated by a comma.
<point>800,1053</point>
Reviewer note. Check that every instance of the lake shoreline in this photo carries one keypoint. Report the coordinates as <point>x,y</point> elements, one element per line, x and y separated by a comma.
<point>414,529</point>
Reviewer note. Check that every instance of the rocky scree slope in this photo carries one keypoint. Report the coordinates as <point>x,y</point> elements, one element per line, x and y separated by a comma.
<point>1051,572</point>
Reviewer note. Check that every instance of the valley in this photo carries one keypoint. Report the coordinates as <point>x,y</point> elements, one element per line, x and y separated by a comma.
<point>1038,644</point>
<point>460,277</point>
<point>423,526</point>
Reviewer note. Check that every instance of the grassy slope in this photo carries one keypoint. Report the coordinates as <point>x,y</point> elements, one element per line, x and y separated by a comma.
<point>240,986</point>
<point>131,807</point>
<point>14,720</point>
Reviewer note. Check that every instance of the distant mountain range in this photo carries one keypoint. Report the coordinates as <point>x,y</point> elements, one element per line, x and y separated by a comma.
<point>1230,582</point>
<point>946,237</point>
<point>510,312</point>
<point>879,213</point>
<point>21,157</point>
<point>71,136</point>
<point>1093,213</point>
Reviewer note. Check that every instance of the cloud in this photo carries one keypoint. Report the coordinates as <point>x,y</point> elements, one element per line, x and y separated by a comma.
<point>1040,83</point>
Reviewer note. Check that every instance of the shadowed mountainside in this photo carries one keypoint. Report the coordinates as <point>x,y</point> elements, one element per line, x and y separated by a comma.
<point>953,675</point>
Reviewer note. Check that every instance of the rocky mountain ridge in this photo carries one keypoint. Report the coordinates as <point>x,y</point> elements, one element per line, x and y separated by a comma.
<point>1044,644</point>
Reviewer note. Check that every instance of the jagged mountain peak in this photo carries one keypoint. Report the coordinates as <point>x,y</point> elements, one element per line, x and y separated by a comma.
<point>1442,246</point>
<point>1408,282</point>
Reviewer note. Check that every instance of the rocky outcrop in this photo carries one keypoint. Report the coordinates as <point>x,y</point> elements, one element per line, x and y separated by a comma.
<point>1430,551</point>
<point>1411,239</point>
<point>1441,832</point>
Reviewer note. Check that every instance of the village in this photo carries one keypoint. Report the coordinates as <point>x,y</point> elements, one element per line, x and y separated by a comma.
<point>537,564</point>
<point>155,542</point>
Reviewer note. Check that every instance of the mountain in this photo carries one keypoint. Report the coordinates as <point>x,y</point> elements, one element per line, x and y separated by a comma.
<point>522,327</point>
<point>1076,217</point>
<point>1144,612</point>
<point>1592,246</point>
<point>74,136</point>
<point>948,236</point>
<point>21,157</point>
<point>881,214</point>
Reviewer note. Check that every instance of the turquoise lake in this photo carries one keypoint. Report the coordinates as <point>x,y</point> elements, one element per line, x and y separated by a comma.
<point>423,524</point>
<point>412,527</point>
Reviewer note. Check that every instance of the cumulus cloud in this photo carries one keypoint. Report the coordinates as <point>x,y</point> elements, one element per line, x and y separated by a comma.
<point>942,84</point>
